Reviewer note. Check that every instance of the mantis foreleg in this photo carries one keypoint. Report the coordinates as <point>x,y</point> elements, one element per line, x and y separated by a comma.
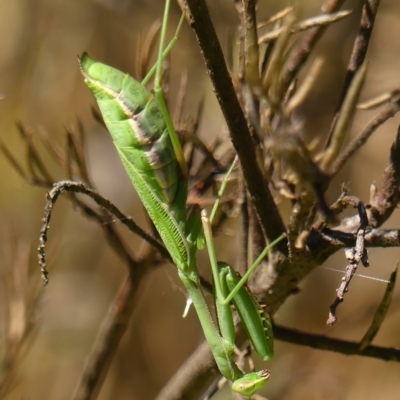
<point>257,326</point>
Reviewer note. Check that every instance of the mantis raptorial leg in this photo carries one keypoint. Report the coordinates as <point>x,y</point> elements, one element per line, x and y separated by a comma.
<point>148,146</point>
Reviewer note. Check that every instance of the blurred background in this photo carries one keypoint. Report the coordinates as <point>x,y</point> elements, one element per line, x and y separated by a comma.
<point>43,89</point>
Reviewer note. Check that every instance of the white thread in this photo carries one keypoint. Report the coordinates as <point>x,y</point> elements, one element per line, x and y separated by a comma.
<point>362,276</point>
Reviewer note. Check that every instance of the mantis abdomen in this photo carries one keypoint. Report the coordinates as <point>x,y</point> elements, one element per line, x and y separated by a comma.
<point>134,119</point>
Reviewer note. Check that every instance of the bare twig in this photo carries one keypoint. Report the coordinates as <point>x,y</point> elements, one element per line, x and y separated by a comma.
<point>388,112</point>
<point>276,17</point>
<point>271,80</point>
<point>193,376</point>
<point>303,90</point>
<point>344,119</point>
<point>107,342</point>
<point>180,99</point>
<point>381,99</point>
<point>251,51</point>
<point>354,255</point>
<point>19,300</point>
<point>384,200</point>
<point>200,145</point>
<point>35,163</point>
<point>305,47</point>
<point>77,187</point>
<point>358,54</point>
<point>77,152</point>
<point>146,50</point>
<point>338,346</point>
<point>13,161</point>
<point>319,20</point>
<point>380,312</point>
<point>53,148</point>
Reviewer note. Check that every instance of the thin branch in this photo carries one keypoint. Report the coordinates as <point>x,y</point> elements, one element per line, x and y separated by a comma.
<point>354,255</point>
<point>380,312</point>
<point>147,48</point>
<point>107,342</point>
<point>34,162</point>
<point>53,148</point>
<point>344,119</point>
<point>247,13</point>
<point>13,161</point>
<point>327,242</point>
<point>180,100</point>
<point>77,153</point>
<point>77,187</point>
<point>305,47</point>
<point>198,144</point>
<point>196,373</point>
<point>384,200</point>
<point>81,146</point>
<point>322,342</point>
<point>302,91</point>
<point>319,20</point>
<point>388,112</point>
<point>358,54</point>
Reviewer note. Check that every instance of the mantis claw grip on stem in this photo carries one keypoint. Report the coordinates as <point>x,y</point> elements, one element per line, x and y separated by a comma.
<point>148,146</point>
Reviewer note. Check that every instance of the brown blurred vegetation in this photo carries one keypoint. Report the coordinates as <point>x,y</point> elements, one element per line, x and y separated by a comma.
<point>43,89</point>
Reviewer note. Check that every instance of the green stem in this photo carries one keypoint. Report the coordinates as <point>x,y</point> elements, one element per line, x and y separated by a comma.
<point>221,190</point>
<point>160,97</point>
<point>171,44</point>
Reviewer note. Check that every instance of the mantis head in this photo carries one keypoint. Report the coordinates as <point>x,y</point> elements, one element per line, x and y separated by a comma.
<point>251,383</point>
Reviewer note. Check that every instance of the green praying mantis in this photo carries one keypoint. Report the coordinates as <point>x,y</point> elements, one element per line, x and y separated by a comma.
<point>148,146</point>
